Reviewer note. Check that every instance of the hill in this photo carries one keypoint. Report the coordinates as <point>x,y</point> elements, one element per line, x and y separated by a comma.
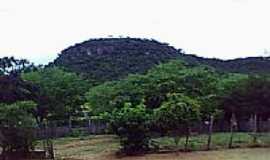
<point>249,65</point>
<point>114,58</point>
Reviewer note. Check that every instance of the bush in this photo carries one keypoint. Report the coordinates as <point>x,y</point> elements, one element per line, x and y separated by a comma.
<point>16,127</point>
<point>177,115</point>
<point>131,124</point>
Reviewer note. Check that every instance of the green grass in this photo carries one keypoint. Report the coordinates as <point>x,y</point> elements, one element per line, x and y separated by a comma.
<point>103,146</point>
<point>219,141</point>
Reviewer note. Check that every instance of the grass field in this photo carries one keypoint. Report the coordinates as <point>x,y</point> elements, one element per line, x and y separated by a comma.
<point>103,147</point>
<point>219,141</point>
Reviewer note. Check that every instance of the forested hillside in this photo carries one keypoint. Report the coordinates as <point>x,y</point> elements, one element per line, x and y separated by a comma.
<point>249,65</point>
<point>111,59</point>
<point>114,58</point>
<point>126,89</point>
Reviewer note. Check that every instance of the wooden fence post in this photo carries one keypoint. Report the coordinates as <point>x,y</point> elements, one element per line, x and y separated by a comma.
<point>210,131</point>
<point>255,128</point>
<point>232,126</point>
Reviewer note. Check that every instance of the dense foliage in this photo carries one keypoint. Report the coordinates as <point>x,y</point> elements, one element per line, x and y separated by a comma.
<point>249,65</point>
<point>180,95</point>
<point>11,65</point>
<point>115,58</point>
<point>14,89</point>
<point>16,127</point>
<point>141,86</point>
<point>251,96</point>
<point>172,77</point>
<point>65,91</point>
<point>131,124</point>
<point>177,114</point>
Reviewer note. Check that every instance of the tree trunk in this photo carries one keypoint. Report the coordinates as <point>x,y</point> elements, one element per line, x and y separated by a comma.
<point>210,131</point>
<point>233,125</point>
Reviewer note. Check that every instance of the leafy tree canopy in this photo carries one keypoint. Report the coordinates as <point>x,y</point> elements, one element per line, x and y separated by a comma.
<point>11,65</point>
<point>65,90</point>
<point>177,113</point>
<point>172,77</point>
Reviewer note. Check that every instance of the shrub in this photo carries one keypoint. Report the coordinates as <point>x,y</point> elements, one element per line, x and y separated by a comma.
<point>131,124</point>
<point>16,127</point>
<point>177,115</point>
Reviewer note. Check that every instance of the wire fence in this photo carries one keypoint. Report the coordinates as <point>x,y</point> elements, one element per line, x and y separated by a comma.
<point>18,143</point>
<point>219,134</point>
<point>202,136</point>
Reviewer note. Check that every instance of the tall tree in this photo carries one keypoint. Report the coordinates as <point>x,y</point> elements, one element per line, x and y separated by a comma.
<point>177,115</point>
<point>65,90</point>
<point>11,65</point>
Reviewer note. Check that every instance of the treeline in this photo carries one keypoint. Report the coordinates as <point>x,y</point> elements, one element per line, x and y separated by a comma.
<point>173,97</point>
<point>30,97</point>
<point>249,65</point>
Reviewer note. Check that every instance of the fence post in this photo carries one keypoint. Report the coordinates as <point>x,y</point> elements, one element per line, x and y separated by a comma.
<point>210,131</point>
<point>232,126</point>
<point>255,128</point>
<point>89,125</point>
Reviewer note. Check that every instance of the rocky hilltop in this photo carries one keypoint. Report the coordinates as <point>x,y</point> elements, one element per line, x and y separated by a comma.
<point>114,58</point>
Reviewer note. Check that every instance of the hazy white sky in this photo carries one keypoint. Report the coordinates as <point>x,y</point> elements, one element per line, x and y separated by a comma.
<point>39,29</point>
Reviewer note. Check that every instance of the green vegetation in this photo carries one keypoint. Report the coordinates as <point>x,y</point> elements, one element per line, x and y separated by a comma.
<point>152,88</point>
<point>181,95</point>
<point>131,124</point>
<point>104,147</point>
<point>16,130</point>
<point>11,65</point>
<point>144,89</point>
<point>115,58</point>
<point>219,141</point>
<point>177,116</point>
<point>64,91</point>
<point>112,59</point>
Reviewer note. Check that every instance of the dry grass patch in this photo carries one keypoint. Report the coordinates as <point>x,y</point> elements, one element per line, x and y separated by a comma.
<point>104,147</point>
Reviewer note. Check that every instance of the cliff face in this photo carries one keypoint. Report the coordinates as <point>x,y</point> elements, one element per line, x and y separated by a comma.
<point>114,58</point>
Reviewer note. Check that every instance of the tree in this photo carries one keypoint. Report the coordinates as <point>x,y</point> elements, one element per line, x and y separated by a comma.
<point>11,65</point>
<point>131,124</point>
<point>13,89</point>
<point>248,98</point>
<point>65,90</point>
<point>16,127</point>
<point>174,76</point>
<point>177,115</point>
<point>111,95</point>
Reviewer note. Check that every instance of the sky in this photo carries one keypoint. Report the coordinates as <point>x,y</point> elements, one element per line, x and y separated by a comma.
<point>39,29</point>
